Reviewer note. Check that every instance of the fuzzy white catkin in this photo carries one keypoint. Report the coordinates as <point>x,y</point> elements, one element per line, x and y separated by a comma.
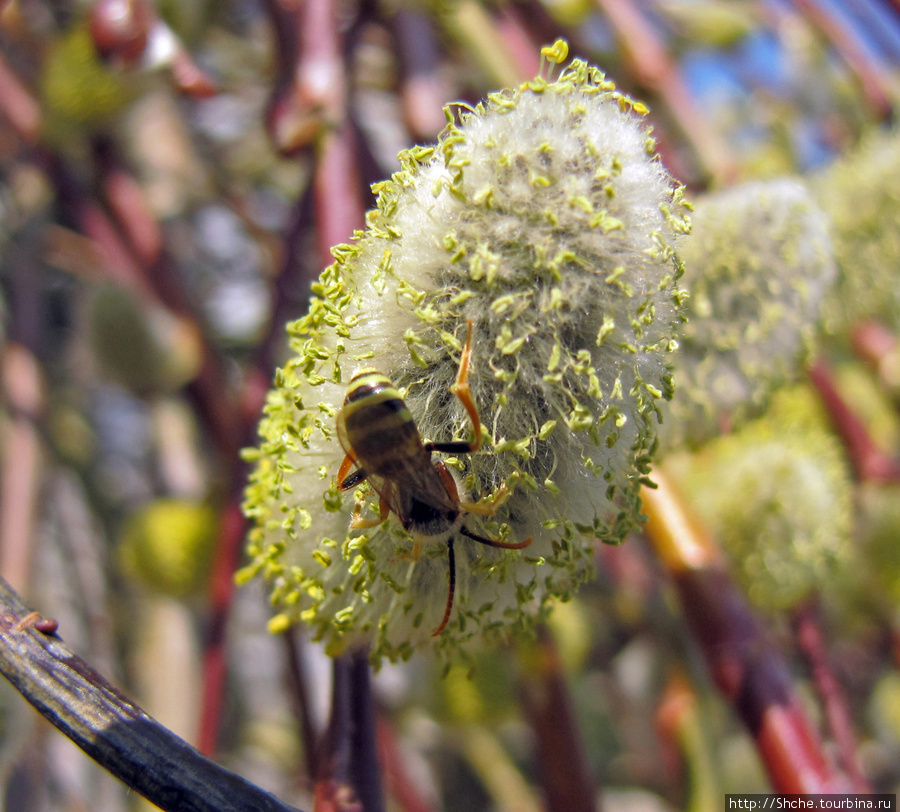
<point>860,193</point>
<point>779,498</point>
<point>545,218</point>
<point>758,265</point>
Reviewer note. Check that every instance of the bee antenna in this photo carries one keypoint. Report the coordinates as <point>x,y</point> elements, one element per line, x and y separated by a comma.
<point>449,609</point>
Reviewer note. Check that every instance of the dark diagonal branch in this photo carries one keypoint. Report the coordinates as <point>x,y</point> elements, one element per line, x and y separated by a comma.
<point>110,728</point>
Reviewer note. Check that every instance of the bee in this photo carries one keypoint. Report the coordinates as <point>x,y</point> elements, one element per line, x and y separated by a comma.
<point>382,442</point>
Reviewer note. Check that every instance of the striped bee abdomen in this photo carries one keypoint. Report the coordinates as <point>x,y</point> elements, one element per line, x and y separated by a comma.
<point>379,426</point>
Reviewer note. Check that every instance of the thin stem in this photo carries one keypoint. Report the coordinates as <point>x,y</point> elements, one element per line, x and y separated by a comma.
<point>365,767</point>
<point>649,62</point>
<point>745,665</point>
<point>232,529</point>
<point>404,791</point>
<point>868,461</point>
<point>568,783</point>
<point>310,93</point>
<point>127,203</point>
<point>18,105</point>
<point>118,263</point>
<point>831,693</point>
<point>110,728</point>
<point>300,696</point>
<point>339,208</point>
<point>20,461</point>
<point>333,790</point>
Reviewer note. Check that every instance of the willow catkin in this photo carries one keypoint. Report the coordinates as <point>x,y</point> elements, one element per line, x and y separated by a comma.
<point>546,219</point>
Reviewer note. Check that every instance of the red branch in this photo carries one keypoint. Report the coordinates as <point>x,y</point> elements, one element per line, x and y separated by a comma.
<point>868,461</point>
<point>878,347</point>
<point>875,85</point>
<point>18,105</point>
<point>650,64</point>
<point>404,792</point>
<point>831,692</point>
<point>744,663</point>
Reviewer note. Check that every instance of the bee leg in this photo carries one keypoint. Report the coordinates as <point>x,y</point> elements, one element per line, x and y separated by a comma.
<point>461,389</point>
<point>359,523</point>
<point>450,591</point>
<point>447,481</point>
<point>488,507</point>
<point>346,480</point>
<point>503,545</point>
<point>413,555</point>
<point>452,491</point>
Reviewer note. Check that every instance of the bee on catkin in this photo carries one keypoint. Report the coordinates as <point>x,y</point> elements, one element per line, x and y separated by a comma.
<point>544,219</point>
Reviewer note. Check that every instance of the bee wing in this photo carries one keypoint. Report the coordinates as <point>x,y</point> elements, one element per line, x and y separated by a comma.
<point>413,480</point>
<point>379,484</point>
<point>342,435</point>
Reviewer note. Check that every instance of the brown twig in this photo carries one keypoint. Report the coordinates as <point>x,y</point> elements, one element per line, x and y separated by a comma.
<point>111,729</point>
<point>22,384</point>
<point>232,529</point>
<point>334,791</point>
<point>365,768</point>
<point>869,463</point>
<point>745,665</point>
<point>569,785</point>
<point>348,773</point>
<point>309,96</point>
<point>19,106</point>
<point>21,461</point>
<point>299,693</point>
<point>290,295</point>
<point>128,205</point>
<point>118,263</point>
<point>339,209</point>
